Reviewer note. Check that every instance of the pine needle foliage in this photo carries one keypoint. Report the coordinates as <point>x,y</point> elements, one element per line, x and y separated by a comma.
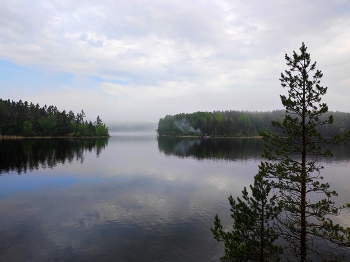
<point>290,204</point>
<point>293,166</point>
<point>253,237</point>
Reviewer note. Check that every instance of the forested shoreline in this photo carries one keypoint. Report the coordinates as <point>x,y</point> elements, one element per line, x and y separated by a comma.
<point>233,123</point>
<point>29,120</point>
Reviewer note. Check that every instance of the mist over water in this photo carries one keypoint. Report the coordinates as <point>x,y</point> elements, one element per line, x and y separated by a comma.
<point>133,127</point>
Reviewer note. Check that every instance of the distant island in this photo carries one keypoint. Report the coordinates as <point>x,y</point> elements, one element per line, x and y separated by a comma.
<point>29,120</point>
<point>238,123</point>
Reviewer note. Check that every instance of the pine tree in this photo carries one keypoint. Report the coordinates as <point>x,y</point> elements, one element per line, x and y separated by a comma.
<point>293,165</point>
<point>252,237</point>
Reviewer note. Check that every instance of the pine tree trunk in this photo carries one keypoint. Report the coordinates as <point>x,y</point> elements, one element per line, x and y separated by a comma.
<point>303,204</point>
<point>262,231</point>
<point>303,180</point>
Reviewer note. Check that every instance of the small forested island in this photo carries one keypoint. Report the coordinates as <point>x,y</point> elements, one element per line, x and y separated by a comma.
<point>29,120</point>
<point>238,123</point>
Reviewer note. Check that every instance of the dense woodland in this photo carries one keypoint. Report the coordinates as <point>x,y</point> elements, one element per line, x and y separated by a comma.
<point>238,123</point>
<point>26,119</point>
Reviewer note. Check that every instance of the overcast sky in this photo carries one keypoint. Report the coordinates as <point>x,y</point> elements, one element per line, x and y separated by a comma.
<point>132,61</point>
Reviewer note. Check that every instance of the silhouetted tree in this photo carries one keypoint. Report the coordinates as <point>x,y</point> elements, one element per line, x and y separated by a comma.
<point>252,237</point>
<point>293,167</point>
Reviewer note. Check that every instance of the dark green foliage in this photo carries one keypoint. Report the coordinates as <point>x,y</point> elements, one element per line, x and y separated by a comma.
<point>18,118</point>
<point>301,208</point>
<point>241,123</point>
<point>252,237</point>
<point>28,129</point>
<point>294,169</point>
<point>101,130</point>
<point>48,125</point>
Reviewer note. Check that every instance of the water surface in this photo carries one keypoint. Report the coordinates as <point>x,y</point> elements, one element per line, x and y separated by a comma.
<point>128,198</point>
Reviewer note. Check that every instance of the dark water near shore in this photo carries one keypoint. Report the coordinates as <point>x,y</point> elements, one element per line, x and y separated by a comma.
<point>128,198</point>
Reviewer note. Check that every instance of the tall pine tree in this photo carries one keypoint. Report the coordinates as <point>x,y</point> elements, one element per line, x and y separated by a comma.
<point>294,168</point>
<point>300,210</point>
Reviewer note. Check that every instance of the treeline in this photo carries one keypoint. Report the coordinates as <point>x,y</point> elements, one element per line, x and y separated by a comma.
<point>24,119</point>
<point>238,123</point>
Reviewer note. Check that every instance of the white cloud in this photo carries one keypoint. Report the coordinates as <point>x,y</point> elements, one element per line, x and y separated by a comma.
<point>159,50</point>
<point>146,92</point>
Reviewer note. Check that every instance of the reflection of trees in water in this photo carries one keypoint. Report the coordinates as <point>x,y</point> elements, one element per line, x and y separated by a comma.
<point>212,148</point>
<point>341,153</point>
<point>229,148</point>
<point>185,146</point>
<point>21,155</point>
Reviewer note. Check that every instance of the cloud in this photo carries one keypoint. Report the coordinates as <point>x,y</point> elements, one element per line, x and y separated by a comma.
<point>156,50</point>
<point>164,90</point>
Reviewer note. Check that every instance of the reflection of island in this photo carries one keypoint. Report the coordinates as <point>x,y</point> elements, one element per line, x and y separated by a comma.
<point>23,154</point>
<point>230,149</point>
<point>217,148</point>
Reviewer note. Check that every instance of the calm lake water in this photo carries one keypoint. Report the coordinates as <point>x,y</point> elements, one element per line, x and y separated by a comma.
<point>129,197</point>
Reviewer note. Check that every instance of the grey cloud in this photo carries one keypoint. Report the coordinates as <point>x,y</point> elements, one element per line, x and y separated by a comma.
<point>235,45</point>
<point>83,37</point>
<point>94,43</point>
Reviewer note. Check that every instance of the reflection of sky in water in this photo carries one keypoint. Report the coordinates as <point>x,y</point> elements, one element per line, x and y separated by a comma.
<point>11,185</point>
<point>133,203</point>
